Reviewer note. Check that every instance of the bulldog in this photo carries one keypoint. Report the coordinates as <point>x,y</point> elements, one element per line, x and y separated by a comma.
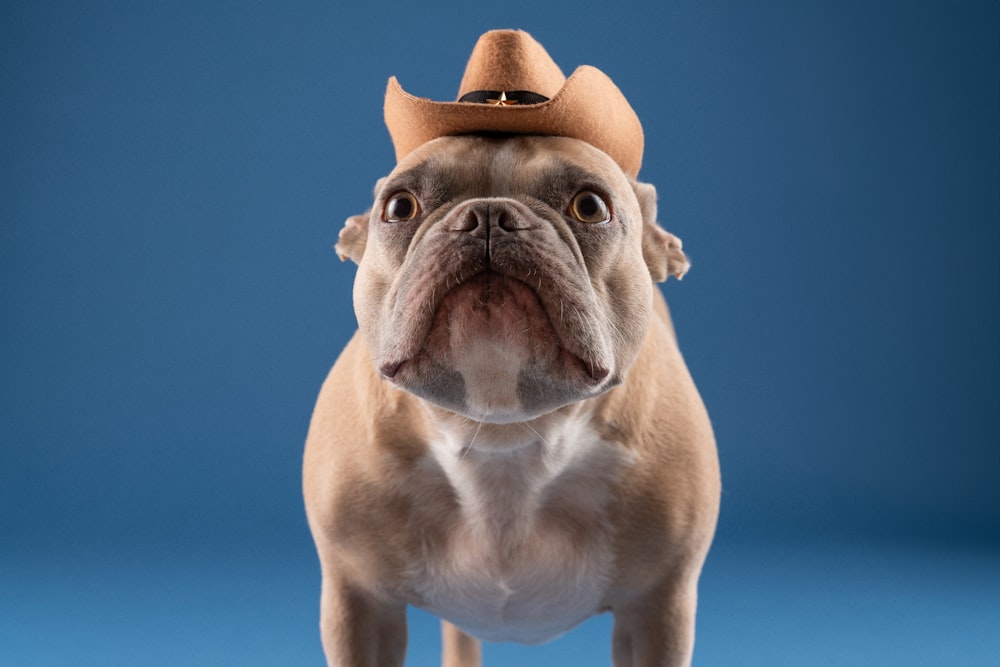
<point>511,441</point>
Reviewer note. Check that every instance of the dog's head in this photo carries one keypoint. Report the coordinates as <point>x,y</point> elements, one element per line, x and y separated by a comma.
<point>504,277</point>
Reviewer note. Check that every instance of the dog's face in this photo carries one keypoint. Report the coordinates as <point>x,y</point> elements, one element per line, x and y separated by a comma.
<point>503,278</point>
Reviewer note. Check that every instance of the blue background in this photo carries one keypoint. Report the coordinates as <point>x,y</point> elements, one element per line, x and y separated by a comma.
<point>173,176</point>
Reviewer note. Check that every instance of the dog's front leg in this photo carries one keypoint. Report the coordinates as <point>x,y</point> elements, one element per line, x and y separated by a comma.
<point>657,630</point>
<point>359,630</point>
<point>458,648</point>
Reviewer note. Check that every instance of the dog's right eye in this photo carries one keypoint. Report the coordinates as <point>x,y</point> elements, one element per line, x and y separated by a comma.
<point>401,207</point>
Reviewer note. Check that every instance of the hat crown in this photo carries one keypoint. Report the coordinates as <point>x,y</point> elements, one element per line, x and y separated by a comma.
<point>511,60</point>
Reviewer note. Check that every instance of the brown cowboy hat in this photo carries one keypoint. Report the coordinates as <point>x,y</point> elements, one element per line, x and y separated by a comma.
<point>512,85</point>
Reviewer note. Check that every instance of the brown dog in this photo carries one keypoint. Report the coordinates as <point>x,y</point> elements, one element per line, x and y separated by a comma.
<point>512,440</point>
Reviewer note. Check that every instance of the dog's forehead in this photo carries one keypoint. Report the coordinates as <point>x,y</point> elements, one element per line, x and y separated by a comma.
<point>497,166</point>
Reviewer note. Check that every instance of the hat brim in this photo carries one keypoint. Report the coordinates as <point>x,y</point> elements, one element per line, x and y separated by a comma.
<point>589,107</point>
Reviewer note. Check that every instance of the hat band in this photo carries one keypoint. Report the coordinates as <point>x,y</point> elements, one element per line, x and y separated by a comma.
<point>503,97</point>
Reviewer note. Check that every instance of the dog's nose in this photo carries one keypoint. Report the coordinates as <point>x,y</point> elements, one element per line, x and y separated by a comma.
<point>483,219</point>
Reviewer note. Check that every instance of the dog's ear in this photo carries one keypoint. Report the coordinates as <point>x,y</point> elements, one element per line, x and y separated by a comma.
<point>661,249</point>
<point>353,237</point>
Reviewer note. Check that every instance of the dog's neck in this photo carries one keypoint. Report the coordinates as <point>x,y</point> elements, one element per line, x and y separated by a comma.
<point>504,474</point>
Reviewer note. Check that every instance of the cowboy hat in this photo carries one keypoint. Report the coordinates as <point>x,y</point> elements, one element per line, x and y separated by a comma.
<point>512,85</point>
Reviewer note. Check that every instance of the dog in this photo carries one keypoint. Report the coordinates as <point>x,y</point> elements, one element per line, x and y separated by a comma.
<point>512,440</point>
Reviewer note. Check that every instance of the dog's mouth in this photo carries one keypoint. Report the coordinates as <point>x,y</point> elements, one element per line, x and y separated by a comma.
<point>492,319</point>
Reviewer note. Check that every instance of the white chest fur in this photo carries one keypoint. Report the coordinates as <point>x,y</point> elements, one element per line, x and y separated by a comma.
<point>530,555</point>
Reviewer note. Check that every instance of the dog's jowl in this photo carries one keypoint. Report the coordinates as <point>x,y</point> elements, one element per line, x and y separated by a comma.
<point>512,440</point>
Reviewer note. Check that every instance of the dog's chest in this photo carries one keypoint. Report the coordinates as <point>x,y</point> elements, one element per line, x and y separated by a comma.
<point>529,555</point>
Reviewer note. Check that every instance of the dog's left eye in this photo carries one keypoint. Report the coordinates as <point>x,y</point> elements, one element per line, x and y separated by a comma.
<point>589,207</point>
<point>401,206</point>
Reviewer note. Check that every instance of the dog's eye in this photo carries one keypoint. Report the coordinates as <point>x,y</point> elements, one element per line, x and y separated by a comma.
<point>401,206</point>
<point>589,207</point>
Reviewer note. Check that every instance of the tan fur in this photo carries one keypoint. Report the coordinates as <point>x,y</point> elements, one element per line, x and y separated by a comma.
<point>621,487</point>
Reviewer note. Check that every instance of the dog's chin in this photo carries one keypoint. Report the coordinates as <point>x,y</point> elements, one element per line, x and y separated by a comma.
<point>492,354</point>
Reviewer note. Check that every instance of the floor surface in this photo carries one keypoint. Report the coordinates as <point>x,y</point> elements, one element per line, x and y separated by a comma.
<point>767,604</point>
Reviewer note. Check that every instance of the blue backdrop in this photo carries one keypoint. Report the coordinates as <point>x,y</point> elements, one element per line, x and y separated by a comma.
<point>173,176</point>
